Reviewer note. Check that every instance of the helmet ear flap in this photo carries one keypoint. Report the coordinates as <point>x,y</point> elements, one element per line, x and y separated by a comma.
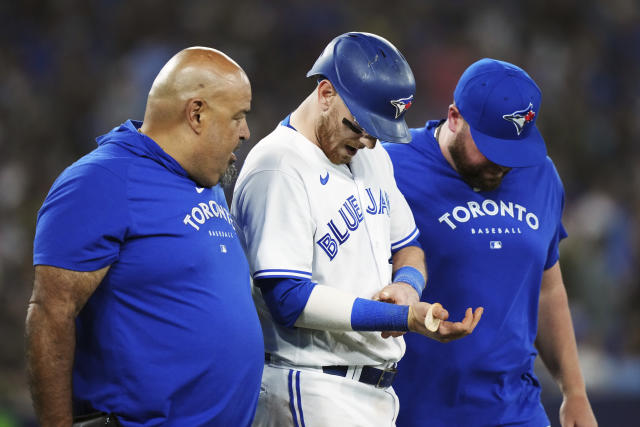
<point>373,79</point>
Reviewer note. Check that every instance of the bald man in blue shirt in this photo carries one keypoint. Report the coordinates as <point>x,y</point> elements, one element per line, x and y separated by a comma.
<point>141,307</point>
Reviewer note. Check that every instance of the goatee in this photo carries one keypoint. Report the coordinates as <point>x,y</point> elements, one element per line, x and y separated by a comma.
<point>229,176</point>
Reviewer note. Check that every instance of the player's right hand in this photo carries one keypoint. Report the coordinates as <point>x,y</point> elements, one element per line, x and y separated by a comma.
<point>400,293</point>
<point>447,331</point>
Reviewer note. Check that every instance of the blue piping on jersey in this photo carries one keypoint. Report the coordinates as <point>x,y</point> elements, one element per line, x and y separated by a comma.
<point>263,274</point>
<point>406,241</point>
<point>287,122</point>
<point>299,400</point>
<point>291,404</point>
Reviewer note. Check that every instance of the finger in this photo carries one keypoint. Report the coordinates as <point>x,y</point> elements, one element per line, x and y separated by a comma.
<point>394,334</point>
<point>450,330</point>
<point>476,317</point>
<point>468,317</point>
<point>465,323</point>
<point>387,297</point>
<point>462,328</point>
<point>470,320</point>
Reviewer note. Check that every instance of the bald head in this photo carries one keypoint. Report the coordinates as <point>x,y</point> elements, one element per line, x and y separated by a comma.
<point>196,112</point>
<point>192,72</point>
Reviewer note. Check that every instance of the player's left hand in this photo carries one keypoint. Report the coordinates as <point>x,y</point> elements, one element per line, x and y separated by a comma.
<point>447,331</point>
<point>399,293</point>
<point>576,411</point>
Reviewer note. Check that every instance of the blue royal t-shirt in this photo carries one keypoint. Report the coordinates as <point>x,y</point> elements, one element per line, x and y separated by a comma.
<point>485,249</point>
<point>171,336</point>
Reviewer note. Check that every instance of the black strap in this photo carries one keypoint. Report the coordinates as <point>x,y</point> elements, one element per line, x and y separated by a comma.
<point>381,378</point>
<point>96,419</point>
<point>340,371</point>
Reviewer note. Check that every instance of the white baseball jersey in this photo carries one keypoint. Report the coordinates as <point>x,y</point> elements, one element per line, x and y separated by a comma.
<point>301,216</point>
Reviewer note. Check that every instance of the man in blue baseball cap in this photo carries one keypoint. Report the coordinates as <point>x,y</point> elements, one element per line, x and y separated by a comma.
<point>489,202</point>
<point>318,207</point>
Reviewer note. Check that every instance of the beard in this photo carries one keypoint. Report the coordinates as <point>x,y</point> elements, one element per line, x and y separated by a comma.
<point>229,176</point>
<point>474,175</point>
<point>325,132</point>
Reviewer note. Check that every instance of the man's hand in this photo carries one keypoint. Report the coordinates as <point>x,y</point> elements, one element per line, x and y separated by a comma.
<point>399,293</point>
<point>447,331</point>
<point>576,411</point>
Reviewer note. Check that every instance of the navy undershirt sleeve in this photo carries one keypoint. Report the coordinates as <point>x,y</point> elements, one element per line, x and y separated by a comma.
<point>286,297</point>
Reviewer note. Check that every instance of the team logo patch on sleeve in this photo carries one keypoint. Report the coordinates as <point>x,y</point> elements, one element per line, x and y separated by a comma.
<point>521,117</point>
<point>402,105</point>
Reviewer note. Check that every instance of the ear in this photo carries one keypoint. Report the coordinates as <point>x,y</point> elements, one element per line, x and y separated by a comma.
<point>194,111</point>
<point>326,94</point>
<point>454,119</point>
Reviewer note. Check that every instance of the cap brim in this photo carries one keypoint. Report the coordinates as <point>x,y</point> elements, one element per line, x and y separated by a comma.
<point>513,153</point>
<point>381,127</point>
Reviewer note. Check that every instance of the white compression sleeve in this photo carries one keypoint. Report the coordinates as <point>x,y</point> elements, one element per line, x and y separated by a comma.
<point>327,309</point>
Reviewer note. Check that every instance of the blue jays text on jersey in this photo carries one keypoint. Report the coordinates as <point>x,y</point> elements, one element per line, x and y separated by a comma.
<point>351,214</point>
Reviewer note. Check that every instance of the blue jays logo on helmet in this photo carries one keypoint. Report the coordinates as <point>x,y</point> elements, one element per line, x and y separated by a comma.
<point>520,118</point>
<point>402,105</point>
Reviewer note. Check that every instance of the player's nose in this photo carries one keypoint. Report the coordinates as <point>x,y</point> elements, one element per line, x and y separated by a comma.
<point>367,140</point>
<point>245,133</point>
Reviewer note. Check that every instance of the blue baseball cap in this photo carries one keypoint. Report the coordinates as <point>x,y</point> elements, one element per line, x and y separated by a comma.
<point>373,79</point>
<point>501,103</point>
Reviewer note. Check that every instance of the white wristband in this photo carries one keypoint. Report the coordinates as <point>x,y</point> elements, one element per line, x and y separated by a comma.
<point>327,309</point>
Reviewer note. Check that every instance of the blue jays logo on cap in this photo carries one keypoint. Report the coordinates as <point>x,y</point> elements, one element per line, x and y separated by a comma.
<point>521,117</point>
<point>402,105</point>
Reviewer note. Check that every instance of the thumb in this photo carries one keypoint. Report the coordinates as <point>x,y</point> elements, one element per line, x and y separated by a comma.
<point>439,311</point>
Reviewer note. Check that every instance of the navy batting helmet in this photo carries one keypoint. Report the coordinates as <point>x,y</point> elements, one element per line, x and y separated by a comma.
<point>374,81</point>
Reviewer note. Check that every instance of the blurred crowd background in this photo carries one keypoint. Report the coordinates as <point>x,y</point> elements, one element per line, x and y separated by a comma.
<point>72,70</point>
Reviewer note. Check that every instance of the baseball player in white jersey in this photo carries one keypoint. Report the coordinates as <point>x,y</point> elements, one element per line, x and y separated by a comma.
<point>325,230</point>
